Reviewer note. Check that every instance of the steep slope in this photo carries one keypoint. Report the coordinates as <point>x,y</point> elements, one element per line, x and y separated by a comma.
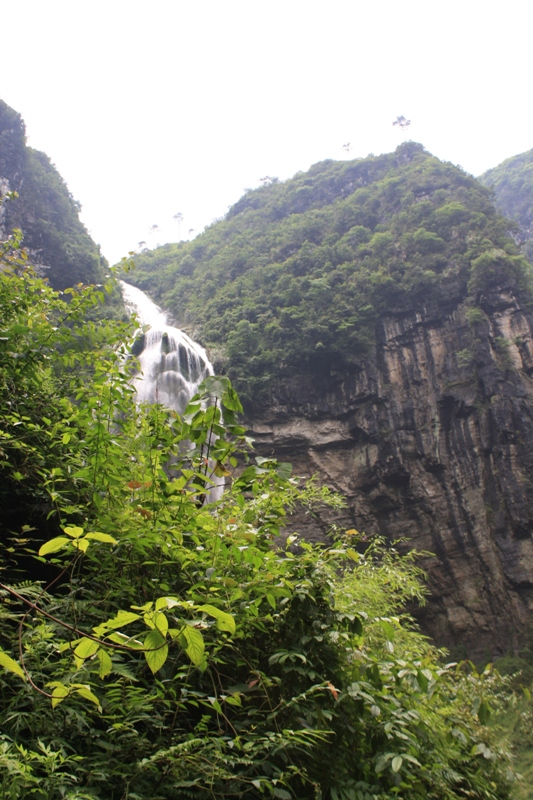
<point>376,317</point>
<point>512,182</point>
<point>45,210</point>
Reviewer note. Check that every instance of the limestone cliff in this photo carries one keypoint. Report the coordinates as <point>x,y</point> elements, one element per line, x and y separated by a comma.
<point>374,316</point>
<point>431,438</point>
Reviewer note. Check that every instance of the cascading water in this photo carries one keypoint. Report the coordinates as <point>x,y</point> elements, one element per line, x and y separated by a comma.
<point>172,366</point>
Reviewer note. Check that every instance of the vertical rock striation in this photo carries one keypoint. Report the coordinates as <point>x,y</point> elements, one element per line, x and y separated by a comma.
<point>431,439</point>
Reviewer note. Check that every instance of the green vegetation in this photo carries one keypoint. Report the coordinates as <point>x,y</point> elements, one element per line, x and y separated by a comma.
<point>157,646</point>
<point>45,210</point>
<point>296,276</point>
<point>512,182</point>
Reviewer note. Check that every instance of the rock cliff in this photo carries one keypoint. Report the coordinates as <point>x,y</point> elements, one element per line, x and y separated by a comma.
<point>431,438</point>
<point>375,316</point>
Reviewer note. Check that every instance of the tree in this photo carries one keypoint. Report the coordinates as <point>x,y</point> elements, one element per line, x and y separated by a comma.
<point>179,219</point>
<point>403,124</point>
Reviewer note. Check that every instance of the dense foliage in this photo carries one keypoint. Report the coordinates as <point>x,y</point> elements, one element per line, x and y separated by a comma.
<point>44,209</point>
<point>154,645</point>
<point>512,182</point>
<point>297,274</point>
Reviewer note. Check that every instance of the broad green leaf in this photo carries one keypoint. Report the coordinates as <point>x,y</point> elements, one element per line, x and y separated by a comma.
<point>106,665</point>
<point>145,607</point>
<point>397,762</point>
<point>156,619</point>
<point>167,602</point>
<point>73,531</point>
<point>224,621</point>
<point>284,470</point>
<point>483,712</point>
<point>85,692</point>
<point>69,645</point>
<point>118,621</point>
<point>271,600</point>
<point>127,641</point>
<point>155,650</point>
<point>12,666</point>
<point>101,537</point>
<point>53,545</point>
<point>86,648</point>
<point>59,692</point>
<point>195,645</point>
<point>353,554</point>
<point>81,544</point>
<point>230,398</point>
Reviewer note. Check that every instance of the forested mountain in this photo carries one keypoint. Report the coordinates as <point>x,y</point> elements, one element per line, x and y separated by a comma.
<point>45,210</point>
<point>297,274</point>
<point>512,182</point>
<point>376,316</point>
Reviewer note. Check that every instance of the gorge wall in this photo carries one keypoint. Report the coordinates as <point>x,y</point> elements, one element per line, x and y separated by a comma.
<point>431,438</point>
<point>375,317</point>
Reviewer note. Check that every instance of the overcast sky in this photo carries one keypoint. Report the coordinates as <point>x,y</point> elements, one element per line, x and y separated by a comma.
<point>177,106</point>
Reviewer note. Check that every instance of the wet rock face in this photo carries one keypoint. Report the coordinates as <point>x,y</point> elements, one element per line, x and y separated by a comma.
<point>432,439</point>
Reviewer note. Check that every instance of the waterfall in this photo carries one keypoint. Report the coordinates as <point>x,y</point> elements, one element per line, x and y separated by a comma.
<point>172,366</point>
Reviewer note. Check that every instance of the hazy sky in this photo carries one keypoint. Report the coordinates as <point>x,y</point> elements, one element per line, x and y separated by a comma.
<point>153,108</point>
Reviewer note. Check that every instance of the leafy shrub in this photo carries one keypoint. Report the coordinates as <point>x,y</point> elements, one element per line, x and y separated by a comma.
<point>156,645</point>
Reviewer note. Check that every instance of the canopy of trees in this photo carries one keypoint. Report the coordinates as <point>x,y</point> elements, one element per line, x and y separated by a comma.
<point>45,210</point>
<point>153,645</point>
<point>296,275</point>
<point>512,182</point>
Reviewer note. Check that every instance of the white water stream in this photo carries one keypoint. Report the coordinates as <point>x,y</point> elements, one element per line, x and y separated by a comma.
<point>172,365</point>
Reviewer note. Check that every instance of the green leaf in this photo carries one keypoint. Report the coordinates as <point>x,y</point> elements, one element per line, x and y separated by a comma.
<point>12,666</point>
<point>73,531</point>
<point>224,621</point>
<point>59,692</point>
<point>284,470</point>
<point>167,602</point>
<point>106,665</point>
<point>397,762</point>
<point>53,545</point>
<point>85,692</point>
<point>127,641</point>
<point>195,645</point>
<point>86,648</point>
<point>483,712</point>
<point>155,650</point>
<point>271,600</point>
<point>101,537</point>
<point>156,619</point>
<point>118,621</point>
<point>81,544</point>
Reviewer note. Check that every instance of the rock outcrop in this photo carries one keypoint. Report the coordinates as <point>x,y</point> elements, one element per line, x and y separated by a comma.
<point>431,439</point>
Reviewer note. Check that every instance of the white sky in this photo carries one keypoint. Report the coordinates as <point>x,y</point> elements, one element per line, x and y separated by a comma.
<point>153,108</point>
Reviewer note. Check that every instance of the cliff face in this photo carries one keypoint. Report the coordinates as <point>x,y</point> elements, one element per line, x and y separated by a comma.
<point>431,438</point>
